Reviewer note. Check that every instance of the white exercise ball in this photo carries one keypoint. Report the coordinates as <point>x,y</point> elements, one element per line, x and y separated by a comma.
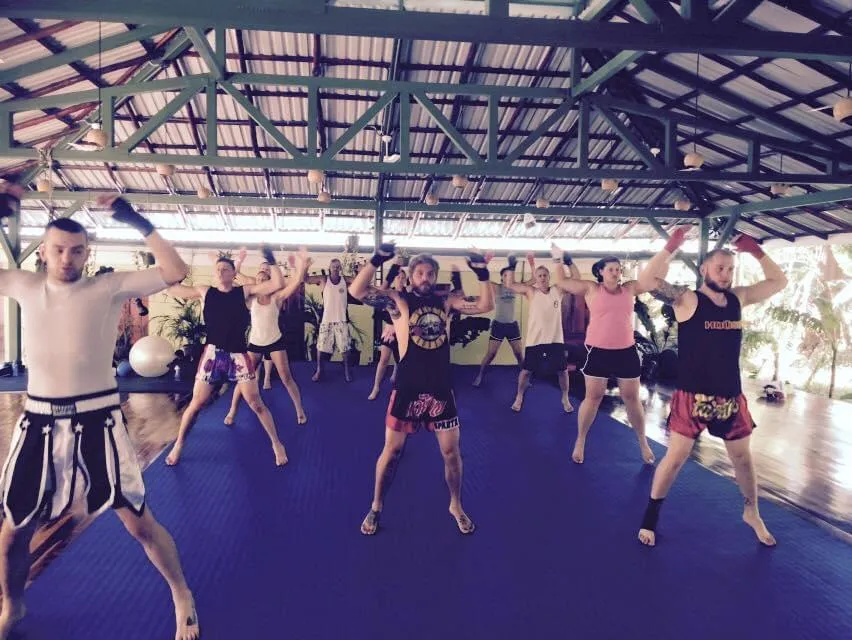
<point>151,356</point>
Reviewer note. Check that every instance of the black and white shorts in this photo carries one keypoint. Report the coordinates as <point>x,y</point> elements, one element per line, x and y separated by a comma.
<point>546,359</point>
<point>612,363</point>
<point>505,331</point>
<point>60,442</point>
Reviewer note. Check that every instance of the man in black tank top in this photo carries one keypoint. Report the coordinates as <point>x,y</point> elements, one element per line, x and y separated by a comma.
<point>709,393</point>
<point>225,357</point>
<point>422,394</point>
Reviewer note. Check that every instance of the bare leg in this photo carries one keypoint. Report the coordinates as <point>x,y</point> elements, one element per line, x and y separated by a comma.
<point>740,455</point>
<point>664,477</point>
<point>493,348</point>
<point>595,390</point>
<point>563,384</point>
<point>448,440</point>
<point>201,392</point>
<point>345,357</point>
<point>252,396</point>
<point>318,374</point>
<point>235,403</point>
<point>385,469</point>
<point>516,349</point>
<point>282,364</point>
<point>523,384</point>
<point>267,374</point>
<point>14,570</point>
<point>381,367</point>
<point>163,554</point>
<point>629,389</point>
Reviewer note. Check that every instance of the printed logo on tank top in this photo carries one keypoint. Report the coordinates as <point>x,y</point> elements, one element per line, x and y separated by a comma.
<point>723,325</point>
<point>428,327</point>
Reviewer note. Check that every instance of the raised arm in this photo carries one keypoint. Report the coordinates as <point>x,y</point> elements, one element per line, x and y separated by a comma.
<point>276,279</point>
<point>573,284</point>
<point>172,267</point>
<point>658,266</point>
<point>485,302</point>
<point>186,292</point>
<point>362,287</point>
<point>774,278</point>
<point>302,264</point>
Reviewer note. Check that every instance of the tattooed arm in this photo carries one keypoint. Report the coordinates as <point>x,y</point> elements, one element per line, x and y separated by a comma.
<point>383,299</point>
<point>682,299</point>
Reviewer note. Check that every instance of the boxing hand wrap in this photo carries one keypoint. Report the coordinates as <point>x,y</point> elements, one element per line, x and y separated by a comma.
<point>512,261</point>
<point>455,278</point>
<point>393,272</point>
<point>477,264</point>
<point>123,212</point>
<point>676,239</point>
<point>747,244</point>
<point>9,205</point>
<point>384,252</point>
<point>268,256</point>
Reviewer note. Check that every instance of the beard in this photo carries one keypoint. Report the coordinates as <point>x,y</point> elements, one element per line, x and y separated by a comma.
<point>423,289</point>
<point>715,286</point>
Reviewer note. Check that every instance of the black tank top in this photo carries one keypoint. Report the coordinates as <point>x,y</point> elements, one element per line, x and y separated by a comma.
<point>426,365</point>
<point>227,319</point>
<point>709,348</point>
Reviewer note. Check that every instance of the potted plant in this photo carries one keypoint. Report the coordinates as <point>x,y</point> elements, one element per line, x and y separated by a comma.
<point>657,349</point>
<point>185,328</point>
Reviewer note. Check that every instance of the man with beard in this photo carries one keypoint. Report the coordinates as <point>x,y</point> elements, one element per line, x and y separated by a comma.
<point>709,392</point>
<point>72,430</point>
<point>422,394</point>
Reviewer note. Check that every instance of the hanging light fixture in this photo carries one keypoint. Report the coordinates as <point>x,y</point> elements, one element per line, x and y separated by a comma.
<point>542,203</point>
<point>460,182</point>
<point>315,176</point>
<point>165,170</point>
<point>324,197</point>
<point>203,192</point>
<point>780,188</point>
<point>608,184</point>
<point>843,110</point>
<point>431,199</point>
<point>682,204</point>
<point>693,159</point>
<point>96,135</point>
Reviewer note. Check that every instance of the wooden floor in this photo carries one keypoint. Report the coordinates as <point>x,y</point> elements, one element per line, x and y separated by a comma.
<point>802,449</point>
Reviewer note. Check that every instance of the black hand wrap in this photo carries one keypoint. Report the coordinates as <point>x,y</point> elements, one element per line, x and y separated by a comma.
<point>566,260</point>
<point>123,212</point>
<point>268,256</point>
<point>324,274</point>
<point>384,253</point>
<point>477,264</point>
<point>393,272</point>
<point>9,205</point>
<point>455,278</point>
<point>512,260</point>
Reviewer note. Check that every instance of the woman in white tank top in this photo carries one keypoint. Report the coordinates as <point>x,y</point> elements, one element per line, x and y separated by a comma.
<point>545,347</point>
<point>265,339</point>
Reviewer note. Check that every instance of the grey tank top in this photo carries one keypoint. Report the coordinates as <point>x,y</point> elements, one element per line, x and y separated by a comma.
<point>504,305</point>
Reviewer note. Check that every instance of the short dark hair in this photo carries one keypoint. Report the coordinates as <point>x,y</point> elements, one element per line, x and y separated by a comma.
<point>717,252</point>
<point>226,260</point>
<point>598,267</point>
<point>423,258</point>
<point>68,225</point>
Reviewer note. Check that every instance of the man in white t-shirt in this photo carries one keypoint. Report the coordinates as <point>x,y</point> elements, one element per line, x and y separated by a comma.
<point>72,429</point>
<point>333,331</point>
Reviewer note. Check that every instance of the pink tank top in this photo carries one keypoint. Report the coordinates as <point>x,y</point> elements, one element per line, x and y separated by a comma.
<point>610,319</point>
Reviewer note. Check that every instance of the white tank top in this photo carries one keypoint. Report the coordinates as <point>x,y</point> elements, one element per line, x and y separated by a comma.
<point>544,321</point>
<point>264,323</point>
<point>334,299</point>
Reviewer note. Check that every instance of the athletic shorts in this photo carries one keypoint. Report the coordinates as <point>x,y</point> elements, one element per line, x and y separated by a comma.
<point>59,443</point>
<point>265,350</point>
<point>218,366</point>
<point>612,363</point>
<point>505,331</point>
<point>333,336</point>
<point>725,418</point>
<point>409,411</point>
<point>545,359</point>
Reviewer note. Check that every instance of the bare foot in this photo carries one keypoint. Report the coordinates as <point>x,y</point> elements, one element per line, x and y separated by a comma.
<point>477,381</point>
<point>578,455</point>
<point>174,455</point>
<point>10,616</point>
<point>280,454</point>
<point>752,518</point>
<point>519,402</point>
<point>463,522</point>
<point>566,404</point>
<point>316,377</point>
<point>186,618</point>
<point>229,419</point>
<point>647,454</point>
<point>267,384</point>
<point>647,537</point>
<point>371,523</point>
<point>347,377</point>
<point>373,394</point>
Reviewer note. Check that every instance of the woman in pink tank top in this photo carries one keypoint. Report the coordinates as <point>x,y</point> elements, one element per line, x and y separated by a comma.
<point>611,349</point>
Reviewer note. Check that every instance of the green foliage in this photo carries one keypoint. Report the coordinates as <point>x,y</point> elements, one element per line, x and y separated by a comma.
<point>186,326</point>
